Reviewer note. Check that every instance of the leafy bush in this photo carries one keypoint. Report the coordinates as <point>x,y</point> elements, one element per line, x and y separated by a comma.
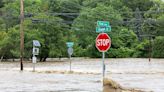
<point>158,47</point>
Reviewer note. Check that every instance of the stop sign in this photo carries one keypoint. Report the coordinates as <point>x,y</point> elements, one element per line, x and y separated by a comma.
<point>103,42</point>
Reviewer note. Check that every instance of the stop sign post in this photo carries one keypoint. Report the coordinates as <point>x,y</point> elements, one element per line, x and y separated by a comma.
<point>103,43</point>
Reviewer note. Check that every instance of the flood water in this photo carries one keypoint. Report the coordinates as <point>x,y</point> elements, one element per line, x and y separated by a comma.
<point>129,73</point>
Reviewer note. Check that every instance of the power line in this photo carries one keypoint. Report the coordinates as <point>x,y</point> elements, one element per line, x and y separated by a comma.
<point>76,14</point>
<point>149,21</point>
<point>35,20</point>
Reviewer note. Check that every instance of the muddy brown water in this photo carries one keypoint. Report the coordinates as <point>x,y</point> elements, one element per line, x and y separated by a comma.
<point>129,73</point>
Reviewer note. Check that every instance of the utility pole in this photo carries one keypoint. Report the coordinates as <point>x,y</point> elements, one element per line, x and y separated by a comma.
<point>21,33</point>
<point>150,48</point>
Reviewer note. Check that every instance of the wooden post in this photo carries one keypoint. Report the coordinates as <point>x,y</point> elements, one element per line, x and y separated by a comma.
<point>21,33</point>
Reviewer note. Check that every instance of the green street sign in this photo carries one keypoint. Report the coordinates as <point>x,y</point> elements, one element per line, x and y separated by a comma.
<point>102,23</point>
<point>70,44</point>
<point>103,29</point>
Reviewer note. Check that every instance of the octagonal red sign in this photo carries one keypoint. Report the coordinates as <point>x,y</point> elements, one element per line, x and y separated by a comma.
<point>103,42</point>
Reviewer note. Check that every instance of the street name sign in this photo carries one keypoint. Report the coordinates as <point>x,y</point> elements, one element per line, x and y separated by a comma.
<point>103,23</point>
<point>103,26</point>
<point>103,29</point>
<point>70,44</point>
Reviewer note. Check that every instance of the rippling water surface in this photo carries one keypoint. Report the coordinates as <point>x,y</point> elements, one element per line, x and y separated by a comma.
<point>53,76</point>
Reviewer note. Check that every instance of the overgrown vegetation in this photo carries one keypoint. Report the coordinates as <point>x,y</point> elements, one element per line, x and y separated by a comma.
<point>54,22</point>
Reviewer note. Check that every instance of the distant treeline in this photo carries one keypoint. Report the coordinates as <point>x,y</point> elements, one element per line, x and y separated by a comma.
<point>137,27</point>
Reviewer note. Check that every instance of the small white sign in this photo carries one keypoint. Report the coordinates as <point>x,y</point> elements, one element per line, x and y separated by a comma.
<point>70,51</point>
<point>34,59</point>
<point>35,51</point>
<point>36,43</point>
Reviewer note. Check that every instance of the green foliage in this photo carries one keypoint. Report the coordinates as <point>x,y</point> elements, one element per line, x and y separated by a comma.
<point>2,43</point>
<point>155,19</point>
<point>160,27</point>
<point>11,43</point>
<point>158,47</point>
<point>122,52</point>
<point>53,31</point>
<point>85,25</point>
<point>124,42</point>
<point>143,5</point>
<point>1,4</point>
<point>141,49</point>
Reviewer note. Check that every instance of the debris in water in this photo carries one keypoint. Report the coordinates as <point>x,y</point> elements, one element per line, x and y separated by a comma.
<point>111,86</point>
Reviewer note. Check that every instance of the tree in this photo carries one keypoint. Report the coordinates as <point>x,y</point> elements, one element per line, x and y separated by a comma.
<point>53,31</point>
<point>66,6</point>
<point>124,43</point>
<point>85,26</point>
<point>54,22</point>
<point>154,24</point>
<point>45,28</point>
<point>158,47</point>
<point>143,5</point>
<point>2,44</point>
<point>1,4</point>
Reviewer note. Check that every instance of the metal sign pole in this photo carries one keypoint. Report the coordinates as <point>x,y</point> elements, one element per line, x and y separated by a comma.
<point>34,67</point>
<point>103,57</point>
<point>103,64</point>
<point>70,52</point>
<point>70,62</point>
<point>35,52</point>
<point>103,26</point>
<point>33,64</point>
<point>33,61</point>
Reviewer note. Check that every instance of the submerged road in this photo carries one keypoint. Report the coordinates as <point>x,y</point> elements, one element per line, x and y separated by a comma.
<point>54,76</point>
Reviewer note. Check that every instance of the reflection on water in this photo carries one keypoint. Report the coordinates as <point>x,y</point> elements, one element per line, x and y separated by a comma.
<point>86,75</point>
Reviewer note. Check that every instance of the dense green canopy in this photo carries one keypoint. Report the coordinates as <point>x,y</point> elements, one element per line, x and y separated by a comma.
<point>54,22</point>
